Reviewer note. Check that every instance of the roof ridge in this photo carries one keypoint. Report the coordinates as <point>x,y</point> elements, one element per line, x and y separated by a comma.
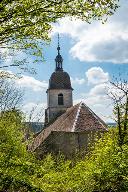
<point>97,117</point>
<point>68,110</point>
<point>76,118</point>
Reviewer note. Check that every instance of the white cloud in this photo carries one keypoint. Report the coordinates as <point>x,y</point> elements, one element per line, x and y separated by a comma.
<point>77,81</point>
<point>96,75</point>
<point>32,83</point>
<point>25,81</point>
<point>100,89</point>
<point>97,98</point>
<point>34,111</point>
<point>29,106</point>
<point>98,42</point>
<point>99,102</point>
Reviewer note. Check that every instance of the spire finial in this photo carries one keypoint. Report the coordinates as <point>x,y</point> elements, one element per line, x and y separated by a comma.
<point>58,40</point>
<point>59,58</point>
<point>58,48</point>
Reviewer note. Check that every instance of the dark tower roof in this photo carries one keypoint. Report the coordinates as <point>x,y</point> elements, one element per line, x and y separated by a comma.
<point>59,79</point>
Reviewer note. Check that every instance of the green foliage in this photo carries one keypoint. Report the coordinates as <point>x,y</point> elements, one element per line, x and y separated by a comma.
<point>17,166</point>
<point>25,24</point>
<point>104,169</point>
<point>110,164</point>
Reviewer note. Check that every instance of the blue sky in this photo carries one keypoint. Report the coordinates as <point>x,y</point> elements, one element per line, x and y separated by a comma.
<point>92,53</point>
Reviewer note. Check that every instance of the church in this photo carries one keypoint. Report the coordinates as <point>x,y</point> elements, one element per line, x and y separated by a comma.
<point>68,129</point>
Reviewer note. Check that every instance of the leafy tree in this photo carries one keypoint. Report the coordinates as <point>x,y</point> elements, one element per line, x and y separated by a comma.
<point>25,24</point>
<point>119,95</point>
<point>18,167</point>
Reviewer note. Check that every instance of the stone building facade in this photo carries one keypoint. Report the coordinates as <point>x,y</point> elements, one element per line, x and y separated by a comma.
<point>54,108</point>
<point>67,143</point>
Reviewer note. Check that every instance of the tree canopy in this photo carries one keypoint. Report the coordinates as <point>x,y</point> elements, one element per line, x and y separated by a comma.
<point>24,23</point>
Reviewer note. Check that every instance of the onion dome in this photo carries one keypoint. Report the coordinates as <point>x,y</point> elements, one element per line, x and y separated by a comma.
<point>60,80</point>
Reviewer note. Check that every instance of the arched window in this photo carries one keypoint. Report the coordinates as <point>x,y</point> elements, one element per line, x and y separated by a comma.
<point>60,99</point>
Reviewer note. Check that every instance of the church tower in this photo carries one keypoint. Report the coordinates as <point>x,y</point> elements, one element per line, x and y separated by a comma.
<point>59,92</point>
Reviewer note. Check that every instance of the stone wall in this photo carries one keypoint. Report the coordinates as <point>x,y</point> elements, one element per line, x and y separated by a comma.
<point>52,97</point>
<point>67,143</point>
<point>52,101</point>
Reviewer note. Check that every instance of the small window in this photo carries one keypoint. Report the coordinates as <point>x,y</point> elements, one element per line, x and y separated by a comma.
<point>60,99</point>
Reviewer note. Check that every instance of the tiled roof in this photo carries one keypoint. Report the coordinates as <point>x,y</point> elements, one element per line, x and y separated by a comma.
<point>76,119</point>
<point>60,80</point>
<point>88,120</point>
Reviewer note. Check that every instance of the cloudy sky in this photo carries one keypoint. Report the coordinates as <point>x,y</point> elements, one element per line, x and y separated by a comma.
<point>92,53</point>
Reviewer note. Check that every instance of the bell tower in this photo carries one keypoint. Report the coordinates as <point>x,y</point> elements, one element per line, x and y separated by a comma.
<point>59,92</point>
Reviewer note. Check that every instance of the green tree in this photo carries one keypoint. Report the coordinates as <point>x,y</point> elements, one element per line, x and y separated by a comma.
<point>118,92</point>
<point>25,24</point>
<point>18,167</point>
